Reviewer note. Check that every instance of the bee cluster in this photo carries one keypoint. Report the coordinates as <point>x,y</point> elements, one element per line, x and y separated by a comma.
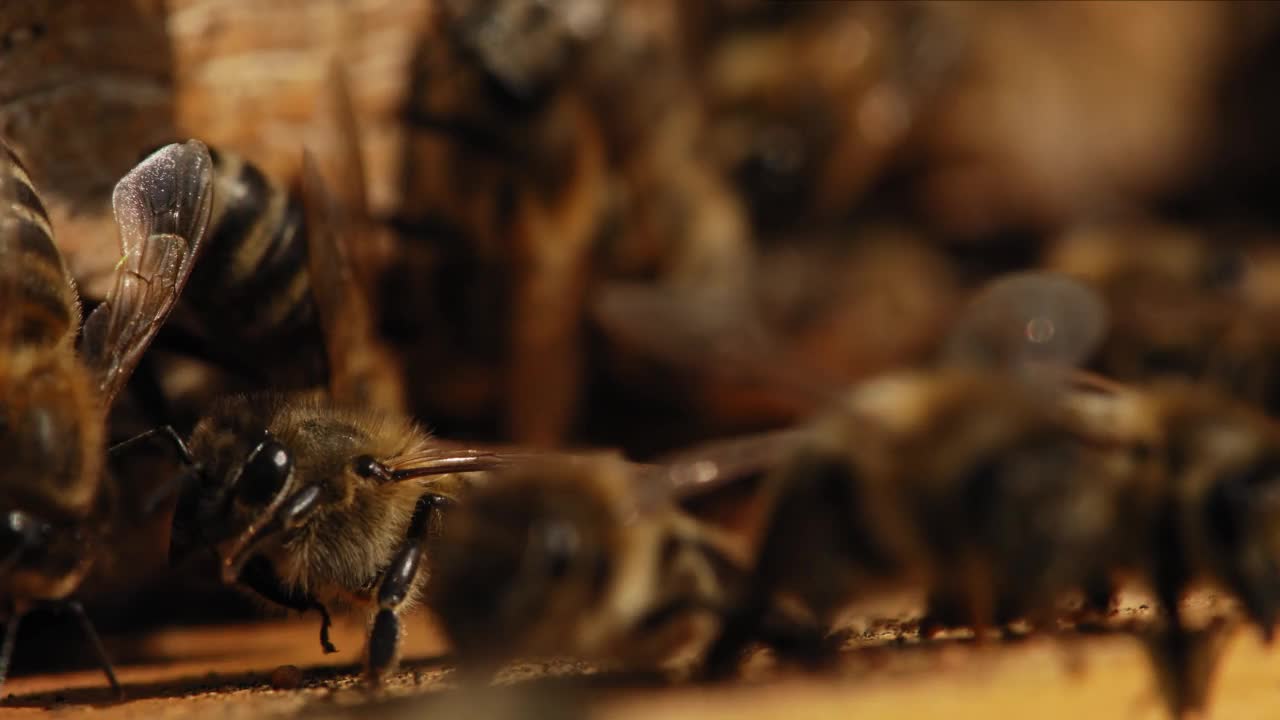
<point>972,300</point>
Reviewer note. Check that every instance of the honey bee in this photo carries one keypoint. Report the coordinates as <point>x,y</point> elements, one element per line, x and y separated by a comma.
<point>585,558</point>
<point>504,187</point>
<point>311,500</point>
<point>531,175</point>
<point>806,153</point>
<point>53,400</point>
<point>999,492</point>
<point>1198,494</point>
<point>964,481</point>
<point>275,301</point>
<point>961,479</point>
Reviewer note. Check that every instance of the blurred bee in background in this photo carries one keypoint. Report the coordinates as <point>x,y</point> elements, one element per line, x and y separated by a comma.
<point>1001,486</point>
<point>313,501</point>
<point>589,558</point>
<point>1198,501</point>
<point>532,175</point>
<point>59,504</point>
<point>820,314</point>
<point>963,481</point>
<point>503,187</point>
<point>806,153</point>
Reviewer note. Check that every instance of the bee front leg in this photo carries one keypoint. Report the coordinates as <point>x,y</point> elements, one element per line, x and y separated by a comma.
<point>1182,679</point>
<point>99,650</point>
<point>10,639</point>
<point>395,589</point>
<point>260,578</point>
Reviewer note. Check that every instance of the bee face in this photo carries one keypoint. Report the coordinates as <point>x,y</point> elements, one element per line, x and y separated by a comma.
<point>242,468</point>
<point>526,555</point>
<point>523,45</point>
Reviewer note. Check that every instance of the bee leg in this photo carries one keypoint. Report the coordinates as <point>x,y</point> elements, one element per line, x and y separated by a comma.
<point>1181,682</point>
<point>1184,661</point>
<point>806,643</point>
<point>98,649</point>
<point>739,628</point>
<point>1097,597</point>
<point>165,432</point>
<point>945,610</point>
<point>260,578</point>
<point>292,513</point>
<point>396,587</point>
<point>10,639</point>
<point>168,489</point>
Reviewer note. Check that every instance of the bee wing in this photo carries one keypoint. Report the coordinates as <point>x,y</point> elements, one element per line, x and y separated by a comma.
<point>162,208</point>
<point>1033,319</point>
<point>336,129</point>
<point>361,369</point>
<point>709,466</point>
<point>712,330</point>
<point>681,326</point>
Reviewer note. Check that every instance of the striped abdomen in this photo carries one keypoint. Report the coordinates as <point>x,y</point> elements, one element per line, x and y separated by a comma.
<point>33,277</point>
<point>250,292</point>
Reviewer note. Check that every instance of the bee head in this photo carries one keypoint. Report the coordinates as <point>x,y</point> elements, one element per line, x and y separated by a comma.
<point>520,561</point>
<point>522,47</point>
<point>1242,521</point>
<point>237,483</point>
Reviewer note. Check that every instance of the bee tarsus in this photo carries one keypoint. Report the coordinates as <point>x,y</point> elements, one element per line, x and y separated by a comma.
<point>258,577</point>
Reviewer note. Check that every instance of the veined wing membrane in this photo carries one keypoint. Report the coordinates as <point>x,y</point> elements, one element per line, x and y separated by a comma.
<point>1029,319</point>
<point>162,208</point>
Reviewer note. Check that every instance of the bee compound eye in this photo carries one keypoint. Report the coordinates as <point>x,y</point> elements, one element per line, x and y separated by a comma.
<point>264,473</point>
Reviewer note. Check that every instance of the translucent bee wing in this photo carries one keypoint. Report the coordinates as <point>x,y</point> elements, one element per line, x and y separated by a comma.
<point>361,370</point>
<point>680,326</point>
<point>335,129</point>
<point>714,331</point>
<point>1028,319</point>
<point>709,466</point>
<point>162,209</point>
<point>330,273</point>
